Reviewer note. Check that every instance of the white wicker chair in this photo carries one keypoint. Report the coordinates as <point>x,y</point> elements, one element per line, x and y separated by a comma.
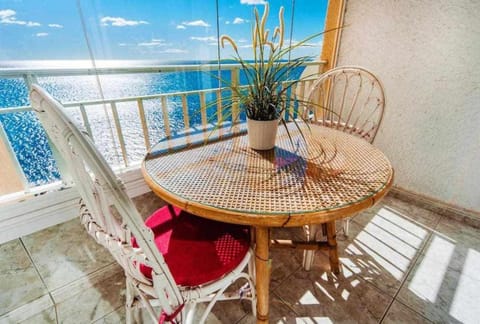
<point>350,99</point>
<point>111,218</point>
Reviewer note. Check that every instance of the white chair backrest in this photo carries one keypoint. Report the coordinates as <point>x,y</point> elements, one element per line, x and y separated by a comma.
<point>350,99</point>
<point>102,192</point>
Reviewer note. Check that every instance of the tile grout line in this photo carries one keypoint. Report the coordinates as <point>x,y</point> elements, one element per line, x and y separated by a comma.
<point>414,311</point>
<point>433,228</point>
<point>103,317</point>
<point>286,304</point>
<point>273,291</point>
<point>85,276</point>
<point>41,278</point>
<point>241,318</point>
<point>284,280</point>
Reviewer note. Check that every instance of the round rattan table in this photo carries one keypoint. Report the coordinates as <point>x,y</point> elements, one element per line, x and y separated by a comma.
<point>311,177</point>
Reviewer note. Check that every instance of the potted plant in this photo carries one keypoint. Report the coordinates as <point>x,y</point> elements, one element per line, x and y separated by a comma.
<point>265,98</point>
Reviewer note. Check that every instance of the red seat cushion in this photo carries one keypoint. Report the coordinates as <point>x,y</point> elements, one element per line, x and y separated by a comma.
<point>197,250</point>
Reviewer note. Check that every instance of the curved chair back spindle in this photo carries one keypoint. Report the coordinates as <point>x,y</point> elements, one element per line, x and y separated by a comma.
<point>350,99</point>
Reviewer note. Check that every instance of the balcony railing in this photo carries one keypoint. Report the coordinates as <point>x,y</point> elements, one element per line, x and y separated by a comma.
<point>149,130</point>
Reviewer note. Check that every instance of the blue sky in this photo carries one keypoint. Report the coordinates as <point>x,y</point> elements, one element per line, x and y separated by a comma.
<point>154,29</point>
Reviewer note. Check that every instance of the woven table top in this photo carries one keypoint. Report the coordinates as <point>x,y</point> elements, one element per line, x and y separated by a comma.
<point>327,173</point>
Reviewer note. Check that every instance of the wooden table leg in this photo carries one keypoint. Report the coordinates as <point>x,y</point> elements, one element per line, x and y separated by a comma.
<point>332,244</point>
<point>262,268</point>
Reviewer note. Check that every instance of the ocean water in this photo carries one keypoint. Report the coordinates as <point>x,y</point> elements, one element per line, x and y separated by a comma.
<point>28,138</point>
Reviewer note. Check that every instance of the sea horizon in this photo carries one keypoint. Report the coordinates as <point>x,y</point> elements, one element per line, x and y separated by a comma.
<point>113,63</point>
<point>87,63</point>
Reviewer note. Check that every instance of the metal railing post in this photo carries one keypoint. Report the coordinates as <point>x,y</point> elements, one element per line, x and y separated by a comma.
<point>29,80</point>
<point>235,76</point>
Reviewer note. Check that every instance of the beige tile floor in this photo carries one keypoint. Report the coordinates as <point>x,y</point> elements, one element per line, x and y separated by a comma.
<point>400,264</point>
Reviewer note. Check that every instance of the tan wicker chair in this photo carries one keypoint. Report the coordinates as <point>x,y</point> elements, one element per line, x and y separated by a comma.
<point>158,259</point>
<point>350,99</point>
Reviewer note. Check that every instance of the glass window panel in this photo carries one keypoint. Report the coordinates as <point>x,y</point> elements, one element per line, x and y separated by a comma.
<point>34,35</point>
<point>49,34</point>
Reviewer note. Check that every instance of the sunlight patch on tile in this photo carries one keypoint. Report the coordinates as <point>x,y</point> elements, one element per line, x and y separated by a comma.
<point>325,292</point>
<point>403,221</point>
<point>313,320</point>
<point>353,250</point>
<point>355,282</point>
<point>309,299</point>
<point>471,266</point>
<point>384,256</point>
<point>464,305</point>
<point>401,227</point>
<point>391,247</point>
<point>350,265</point>
<point>345,294</point>
<point>391,240</point>
<point>430,274</point>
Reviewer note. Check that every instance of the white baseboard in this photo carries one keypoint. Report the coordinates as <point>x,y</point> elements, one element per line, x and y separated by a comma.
<point>27,214</point>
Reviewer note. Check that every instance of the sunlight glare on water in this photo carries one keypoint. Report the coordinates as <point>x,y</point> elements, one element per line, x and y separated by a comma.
<point>28,139</point>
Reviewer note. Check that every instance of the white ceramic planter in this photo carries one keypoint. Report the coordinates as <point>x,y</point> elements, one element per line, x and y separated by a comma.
<point>262,133</point>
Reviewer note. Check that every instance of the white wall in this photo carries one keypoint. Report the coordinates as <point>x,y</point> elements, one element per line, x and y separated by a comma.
<point>427,54</point>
